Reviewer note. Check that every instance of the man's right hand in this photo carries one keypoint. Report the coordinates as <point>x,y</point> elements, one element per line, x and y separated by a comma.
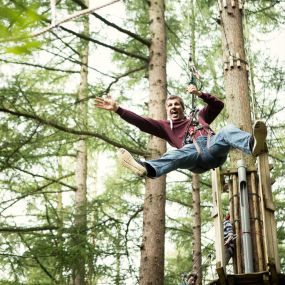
<point>193,90</point>
<point>106,103</point>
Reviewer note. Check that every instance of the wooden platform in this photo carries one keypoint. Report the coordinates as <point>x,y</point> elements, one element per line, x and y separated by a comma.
<point>259,278</point>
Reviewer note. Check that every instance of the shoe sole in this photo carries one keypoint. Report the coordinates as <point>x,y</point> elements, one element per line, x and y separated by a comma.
<point>127,160</point>
<point>259,134</point>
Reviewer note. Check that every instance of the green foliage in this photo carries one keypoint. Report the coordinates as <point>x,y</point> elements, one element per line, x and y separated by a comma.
<point>265,15</point>
<point>26,48</point>
<point>18,19</point>
<point>16,16</point>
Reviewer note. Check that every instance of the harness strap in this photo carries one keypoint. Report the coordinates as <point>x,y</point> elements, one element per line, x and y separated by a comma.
<point>198,147</point>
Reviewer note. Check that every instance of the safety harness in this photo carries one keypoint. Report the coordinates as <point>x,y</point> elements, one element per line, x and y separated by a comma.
<point>193,127</point>
<point>195,79</point>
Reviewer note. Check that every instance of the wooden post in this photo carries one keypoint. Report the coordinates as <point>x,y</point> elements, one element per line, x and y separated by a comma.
<point>267,211</point>
<point>257,227</point>
<point>237,223</point>
<point>218,218</point>
<point>232,214</point>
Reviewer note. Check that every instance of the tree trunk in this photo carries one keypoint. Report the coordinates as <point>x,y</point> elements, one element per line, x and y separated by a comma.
<point>60,218</point>
<point>235,72</point>
<point>80,220</point>
<point>152,249</point>
<point>238,107</point>
<point>197,256</point>
<point>91,276</point>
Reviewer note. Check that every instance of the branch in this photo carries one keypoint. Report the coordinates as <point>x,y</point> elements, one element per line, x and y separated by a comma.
<point>38,65</point>
<point>61,39</point>
<point>50,179</point>
<point>73,131</point>
<point>131,34</point>
<point>26,141</point>
<point>189,232</point>
<point>27,230</point>
<point>179,202</point>
<point>265,8</point>
<point>107,90</point>
<point>57,24</point>
<point>15,200</point>
<point>70,59</point>
<point>134,215</point>
<point>189,175</point>
<point>38,261</point>
<point>84,37</point>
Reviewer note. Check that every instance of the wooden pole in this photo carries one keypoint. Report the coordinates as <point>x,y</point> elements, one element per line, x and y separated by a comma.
<point>237,223</point>
<point>232,213</point>
<point>218,219</point>
<point>267,211</point>
<point>257,227</point>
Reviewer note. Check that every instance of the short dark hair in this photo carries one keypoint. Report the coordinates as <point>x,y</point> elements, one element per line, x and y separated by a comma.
<point>194,275</point>
<point>172,97</point>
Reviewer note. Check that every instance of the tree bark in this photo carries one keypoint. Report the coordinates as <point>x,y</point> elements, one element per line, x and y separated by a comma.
<point>152,249</point>
<point>235,72</point>
<point>238,106</point>
<point>80,220</point>
<point>197,256</point>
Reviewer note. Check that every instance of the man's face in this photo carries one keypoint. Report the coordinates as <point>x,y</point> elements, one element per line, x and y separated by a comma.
<point>191,280</point>
<point>174,109</point>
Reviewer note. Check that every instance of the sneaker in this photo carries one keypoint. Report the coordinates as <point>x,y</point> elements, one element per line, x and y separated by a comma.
<point>127,160</point>
<point>259,136</point>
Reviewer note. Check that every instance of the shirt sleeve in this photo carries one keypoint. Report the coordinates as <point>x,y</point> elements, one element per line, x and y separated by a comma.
<point>213,108</point>
<point>145,124</point>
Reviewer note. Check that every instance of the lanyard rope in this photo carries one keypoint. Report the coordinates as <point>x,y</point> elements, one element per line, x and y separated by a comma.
<point>194,79</point>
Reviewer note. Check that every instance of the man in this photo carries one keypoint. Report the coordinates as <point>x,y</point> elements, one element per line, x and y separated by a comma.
<point>192,278</point>
<point>199,149</point>
<point>189,279</point>
<point>228,238</point>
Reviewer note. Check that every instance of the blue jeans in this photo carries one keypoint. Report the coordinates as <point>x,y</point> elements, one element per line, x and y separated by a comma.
<point>210,157</point>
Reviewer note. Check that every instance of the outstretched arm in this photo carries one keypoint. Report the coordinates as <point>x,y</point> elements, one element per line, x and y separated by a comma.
<point>147,125</point>
<point>106,103</point>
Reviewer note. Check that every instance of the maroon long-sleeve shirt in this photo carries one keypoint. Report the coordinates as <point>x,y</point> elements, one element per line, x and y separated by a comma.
<point>174,131</point>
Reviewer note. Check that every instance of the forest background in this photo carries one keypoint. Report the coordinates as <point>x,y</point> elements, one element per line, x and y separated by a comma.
<point>64,202</point>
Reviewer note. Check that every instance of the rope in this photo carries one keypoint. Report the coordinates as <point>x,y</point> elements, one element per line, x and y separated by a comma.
<point>194,80</point>
<point>56,24</point>
<point>194,74</point>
